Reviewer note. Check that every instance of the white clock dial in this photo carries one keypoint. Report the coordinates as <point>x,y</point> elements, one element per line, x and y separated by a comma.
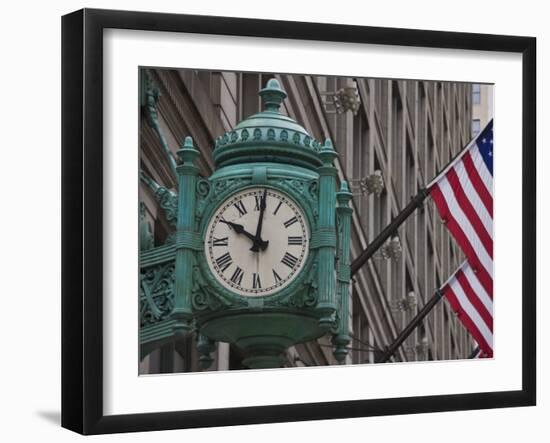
<point>252,265</point>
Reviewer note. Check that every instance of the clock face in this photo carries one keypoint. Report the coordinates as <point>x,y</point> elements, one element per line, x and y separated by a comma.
<point>257,242</point>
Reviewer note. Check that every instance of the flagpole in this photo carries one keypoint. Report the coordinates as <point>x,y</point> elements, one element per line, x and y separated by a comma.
<point>389,230</point>
<point>474,353</point>
<point>390,350</point>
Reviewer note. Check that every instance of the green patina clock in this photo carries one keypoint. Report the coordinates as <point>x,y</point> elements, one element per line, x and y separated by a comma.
<point>260,257</point>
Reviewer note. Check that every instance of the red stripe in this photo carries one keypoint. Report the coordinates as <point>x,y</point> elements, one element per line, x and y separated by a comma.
<point>484,194</point>
<point>464,202</point>
<point>466,320</point>
<point>474,300</point>
<point>481,273</point>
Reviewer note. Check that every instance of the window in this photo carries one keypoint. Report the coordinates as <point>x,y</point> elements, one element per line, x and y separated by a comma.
<point>476,94</point>
<point>476,127</point>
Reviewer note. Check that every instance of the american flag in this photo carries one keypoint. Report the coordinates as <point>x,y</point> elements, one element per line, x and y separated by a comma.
<point>463,194</point>
<point>473,306</point>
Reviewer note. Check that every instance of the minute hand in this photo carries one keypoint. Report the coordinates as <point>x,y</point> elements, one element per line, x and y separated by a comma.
<point>258,242</point>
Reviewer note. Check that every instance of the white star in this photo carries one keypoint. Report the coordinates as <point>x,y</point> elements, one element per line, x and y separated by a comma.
<point>484,140</point>
<point>490,153</point>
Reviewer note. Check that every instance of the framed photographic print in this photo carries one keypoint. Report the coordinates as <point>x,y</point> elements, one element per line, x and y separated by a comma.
<point>264,225</point>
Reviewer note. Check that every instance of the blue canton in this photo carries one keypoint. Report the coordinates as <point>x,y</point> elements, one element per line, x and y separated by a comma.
<point>485,145</point>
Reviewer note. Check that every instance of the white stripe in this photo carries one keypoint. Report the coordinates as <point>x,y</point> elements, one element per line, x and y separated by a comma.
<point>484,173</point>
<point>465,225</point>
<point>471,312</point>
<point>479,291</point>
<point>474,198</point>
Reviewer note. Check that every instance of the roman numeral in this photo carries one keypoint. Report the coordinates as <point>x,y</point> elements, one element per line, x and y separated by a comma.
<point>290,222</point>
<point>258,202</point>
<point>240,207</point>
<point>237,276</point>
<point>276,276</point>
<point>277,208</point>
<point>289,260</point>
<point>256,281</point>
<point>221,241</point>
<point>295,240</point>
<point>224,261</point>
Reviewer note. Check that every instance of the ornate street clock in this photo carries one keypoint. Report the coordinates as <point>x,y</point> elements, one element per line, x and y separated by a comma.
<point>261,249</point>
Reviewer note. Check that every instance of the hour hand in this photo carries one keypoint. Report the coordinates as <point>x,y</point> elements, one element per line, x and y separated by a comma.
<point>239,229</point>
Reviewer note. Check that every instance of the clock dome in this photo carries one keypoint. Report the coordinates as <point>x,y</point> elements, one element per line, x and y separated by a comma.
<point>268,136</point>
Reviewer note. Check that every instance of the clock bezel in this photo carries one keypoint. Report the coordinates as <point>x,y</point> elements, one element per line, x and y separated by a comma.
<point>279,294</point>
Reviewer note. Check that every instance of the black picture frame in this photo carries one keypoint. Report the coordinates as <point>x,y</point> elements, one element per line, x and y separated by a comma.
<point>82,219</point>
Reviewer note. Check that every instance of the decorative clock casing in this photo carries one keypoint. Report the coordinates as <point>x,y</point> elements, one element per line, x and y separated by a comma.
<point>262,246</point>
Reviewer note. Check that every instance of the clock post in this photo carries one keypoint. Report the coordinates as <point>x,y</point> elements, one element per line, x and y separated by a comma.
<point>326,236</point>
<point>187,239</point>
<point>341,338</point>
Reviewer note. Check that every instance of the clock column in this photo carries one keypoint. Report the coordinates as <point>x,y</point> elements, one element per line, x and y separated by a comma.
<point>326,235</point>
<point>342,339</point>
<point>187,239</point>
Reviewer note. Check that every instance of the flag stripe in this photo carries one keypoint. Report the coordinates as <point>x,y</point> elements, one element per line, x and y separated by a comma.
<point>484,215</point>
<point>467,321</point>
<point>480,331</point>
<point>455,212</point>
<point>479,182</point>
<point>483,295</point>
<point>463,200</point>
<point>471,311</point>
<point>474,309</point>
<point>484,313</point>
<point>482,275</point>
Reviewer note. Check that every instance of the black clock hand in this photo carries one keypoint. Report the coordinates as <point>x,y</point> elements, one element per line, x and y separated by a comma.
<point>239,229</point>
<point>258,242</point>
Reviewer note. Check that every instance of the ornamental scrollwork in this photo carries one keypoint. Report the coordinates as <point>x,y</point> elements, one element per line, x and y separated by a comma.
<point>146,240</point>
<point>305,296</point>
<point>202,190</point>
<point>168,201</point>
<point>334,329</point>
<point>225,186</point>
<point>203,187</point>
<point>307,189</point>
<point>156,293</point>
<point>313,189</point>
<point>313,193</point>
<point>308,297</point>
<point>202,298</point>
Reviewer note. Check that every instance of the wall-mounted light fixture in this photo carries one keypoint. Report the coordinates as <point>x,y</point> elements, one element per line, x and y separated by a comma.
<point>344,99</point>
<point>370,184</point>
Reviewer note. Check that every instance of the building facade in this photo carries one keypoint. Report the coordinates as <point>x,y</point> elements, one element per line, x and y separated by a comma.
<point>482,106</point>
<point>391,142</point>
